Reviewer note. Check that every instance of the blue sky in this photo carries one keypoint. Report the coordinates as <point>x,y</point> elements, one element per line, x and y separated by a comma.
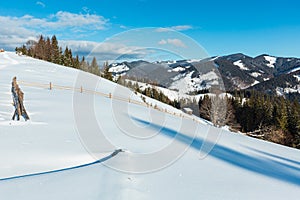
<point>221,27</point>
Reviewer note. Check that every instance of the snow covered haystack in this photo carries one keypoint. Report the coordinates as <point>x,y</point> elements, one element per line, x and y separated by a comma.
<point>89,138</point>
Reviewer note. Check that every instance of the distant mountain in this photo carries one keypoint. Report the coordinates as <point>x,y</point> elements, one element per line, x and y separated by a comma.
<point>263,73</point>
<point>238,71</point>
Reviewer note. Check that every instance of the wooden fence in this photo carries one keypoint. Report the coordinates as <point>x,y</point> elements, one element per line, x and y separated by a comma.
<point>81,89</point>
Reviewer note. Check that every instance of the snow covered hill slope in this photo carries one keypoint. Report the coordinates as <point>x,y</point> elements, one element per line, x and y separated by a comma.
<point>263,73</point>
<point>167,154</point>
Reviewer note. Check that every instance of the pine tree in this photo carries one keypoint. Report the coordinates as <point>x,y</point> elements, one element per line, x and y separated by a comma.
<point>83,64</point>
<point>48,50</point>
<point>95,67</point>
<point>282,119</point>
<point>22,50</point>
<point>76,62</point>
<point>40,48</point>
<point>106,73</point>
<point>55,51</point>
<point>67,58</point>
<point>294,118</point>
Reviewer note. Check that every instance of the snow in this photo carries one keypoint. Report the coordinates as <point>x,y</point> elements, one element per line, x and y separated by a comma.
<point>244,100</point>
<point>237,167</point>
<point>177,69</point>
<point>271,60</point>
<point>255,74</point>
<point>185,84</point>
<point>193,60</point>
<point>281,91</point>
<point>119,69</point>
<point>240,64</point>
<point>255,82</point>
<point>209,76</point>
<point>297,77</point>
<point>171,94</point>
<point>294,70</point>
<point>290,90</point>
<point>215,58</point>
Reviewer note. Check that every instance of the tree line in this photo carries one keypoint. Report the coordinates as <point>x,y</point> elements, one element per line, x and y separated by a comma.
<point>150,91</point>
<point>270,117</point>
<point>48,49</point>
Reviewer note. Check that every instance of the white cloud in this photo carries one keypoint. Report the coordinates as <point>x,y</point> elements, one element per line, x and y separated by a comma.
<point>123,27</point>
<point>181,27</point>
<point>12,34</point>
<point>176,28</point>
<point>105,51</point>
<point>17,30</point>
<point>175,42</point>
<point>40,4</point>
<point>95,47</point>
<point>64,19</point>
<point>162,42</point>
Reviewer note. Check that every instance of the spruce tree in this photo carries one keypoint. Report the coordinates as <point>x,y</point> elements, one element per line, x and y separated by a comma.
<point>282,119</point>
<point>95,67</point>
<point>55,52</point>
<point>67,57</point>
<point>76,61</point>
<point>40,48</point>
<point>106,73</point>
<point>48,50</point>
<point>294,118</point>
<point>83,64</point>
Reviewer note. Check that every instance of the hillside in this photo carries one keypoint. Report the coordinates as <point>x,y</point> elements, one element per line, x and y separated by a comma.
<point>69,148</point>
<point>275,75</point>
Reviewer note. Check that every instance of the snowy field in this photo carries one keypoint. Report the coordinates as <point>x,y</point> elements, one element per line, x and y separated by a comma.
<point>68,148</point>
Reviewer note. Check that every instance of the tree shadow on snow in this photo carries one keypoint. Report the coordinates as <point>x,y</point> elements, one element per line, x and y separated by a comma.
<point>263,165</point>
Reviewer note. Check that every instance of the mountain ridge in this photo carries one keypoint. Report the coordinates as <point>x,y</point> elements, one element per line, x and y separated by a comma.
<point>264,72</point>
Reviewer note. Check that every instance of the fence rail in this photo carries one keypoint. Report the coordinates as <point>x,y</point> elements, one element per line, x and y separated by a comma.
<point>52,86</point>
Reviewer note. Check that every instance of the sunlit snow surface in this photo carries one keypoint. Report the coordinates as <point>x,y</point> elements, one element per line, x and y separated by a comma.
<point>241,65</point>
<point>238,167</point>
<point>271,60</point>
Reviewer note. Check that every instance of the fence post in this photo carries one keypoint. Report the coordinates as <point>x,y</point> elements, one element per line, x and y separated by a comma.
<point>50,86</point>
<point>81,90</point>
<point>109,95</point>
